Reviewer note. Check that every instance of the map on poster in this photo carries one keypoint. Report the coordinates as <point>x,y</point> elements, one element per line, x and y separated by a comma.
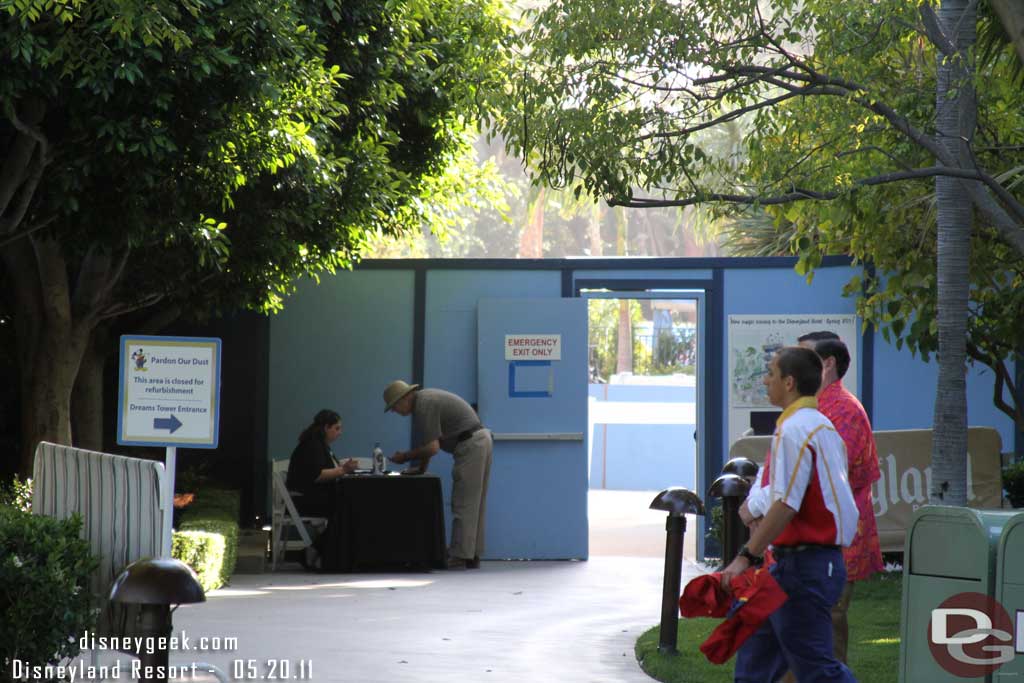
<point>754,339</point>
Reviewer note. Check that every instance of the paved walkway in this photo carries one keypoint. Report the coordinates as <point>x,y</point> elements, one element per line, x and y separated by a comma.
<point>622,524</point>
<point>508,622</point>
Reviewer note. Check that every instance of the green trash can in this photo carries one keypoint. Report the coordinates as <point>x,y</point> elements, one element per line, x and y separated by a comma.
<point>1010,594</point>
<point>948,550</point>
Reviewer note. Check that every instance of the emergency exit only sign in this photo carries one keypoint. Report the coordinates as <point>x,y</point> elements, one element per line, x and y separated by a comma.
<point>533,347</point>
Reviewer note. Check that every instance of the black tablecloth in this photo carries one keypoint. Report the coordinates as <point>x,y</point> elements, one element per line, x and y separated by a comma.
<point>385,522</point>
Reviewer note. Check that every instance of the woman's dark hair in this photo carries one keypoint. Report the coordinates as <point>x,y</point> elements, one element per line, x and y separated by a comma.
<point>804,366</point>
<point>321,421</point>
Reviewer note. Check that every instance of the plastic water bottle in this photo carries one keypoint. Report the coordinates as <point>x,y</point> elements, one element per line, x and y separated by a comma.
<point>380,463</point>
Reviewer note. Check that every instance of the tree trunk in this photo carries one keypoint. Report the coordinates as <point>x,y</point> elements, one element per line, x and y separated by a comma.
<point>594,218</point>
<point>955,122</point>
<point>624,350</point>
<point>87,396</point>
<point>50,342</point>
<point>531,240</point>
<point>46,396</point>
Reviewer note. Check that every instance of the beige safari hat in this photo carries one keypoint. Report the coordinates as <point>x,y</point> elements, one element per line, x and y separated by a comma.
<point>395,391</point>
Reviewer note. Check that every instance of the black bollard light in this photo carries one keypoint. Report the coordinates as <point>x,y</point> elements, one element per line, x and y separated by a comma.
<point>677,502</point>
<point>155,585</point>
<point>733,490</point>
<point>745,467</point>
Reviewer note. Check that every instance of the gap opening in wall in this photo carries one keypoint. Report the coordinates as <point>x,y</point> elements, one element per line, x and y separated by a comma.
<point>643,416</point>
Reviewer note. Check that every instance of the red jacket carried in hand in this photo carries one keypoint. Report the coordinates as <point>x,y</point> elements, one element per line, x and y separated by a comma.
<point>755,595</point>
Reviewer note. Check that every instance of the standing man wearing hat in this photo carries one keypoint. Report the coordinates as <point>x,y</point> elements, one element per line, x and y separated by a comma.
<point>444,421</point>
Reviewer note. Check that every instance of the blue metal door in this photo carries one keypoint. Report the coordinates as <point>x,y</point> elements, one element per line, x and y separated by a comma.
<point>532,393</point>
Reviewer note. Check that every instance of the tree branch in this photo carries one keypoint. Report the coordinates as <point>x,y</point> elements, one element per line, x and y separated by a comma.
<point>1003,379</point>
<point>798,194</point>
<point>933,29</point>
<point>39,162</point>
<point>730,115</point>
<point>1011,16</point>
<point>159,320</point>
<point>17,161</point>
<point>26,233</point>
<point>115,310</point>
<point>875,148</point>
<point>1009,227</point>
<point>93,275</point>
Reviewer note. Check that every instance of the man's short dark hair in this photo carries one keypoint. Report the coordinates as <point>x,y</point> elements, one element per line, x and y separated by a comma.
<point>833,348</point>
<point>803,365</point>
<point>821,335</point>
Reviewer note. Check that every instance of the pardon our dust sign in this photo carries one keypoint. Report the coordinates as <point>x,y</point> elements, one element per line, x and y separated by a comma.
<point>533,347</point>
<point>169,391</point>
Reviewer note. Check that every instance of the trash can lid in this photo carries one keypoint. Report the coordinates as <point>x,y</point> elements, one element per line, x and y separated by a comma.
<point>678,501</point>
<point>955,542</point>
<point>157,581</point>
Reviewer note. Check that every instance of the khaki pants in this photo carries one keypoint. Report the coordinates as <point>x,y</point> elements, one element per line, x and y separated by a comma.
<point>470,474</point>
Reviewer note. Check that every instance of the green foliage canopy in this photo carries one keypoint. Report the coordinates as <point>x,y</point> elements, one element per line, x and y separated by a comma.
<point>840,103</point>
<point>202,155</point>
<point>245,143</point>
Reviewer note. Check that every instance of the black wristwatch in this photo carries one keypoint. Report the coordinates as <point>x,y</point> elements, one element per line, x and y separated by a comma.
<point>754,560</point>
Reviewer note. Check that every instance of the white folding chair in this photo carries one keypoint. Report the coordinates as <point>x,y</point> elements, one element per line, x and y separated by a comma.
<point>285,516</point>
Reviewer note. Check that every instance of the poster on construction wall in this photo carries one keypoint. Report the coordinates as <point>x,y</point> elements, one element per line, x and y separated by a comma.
<point>754,339</point>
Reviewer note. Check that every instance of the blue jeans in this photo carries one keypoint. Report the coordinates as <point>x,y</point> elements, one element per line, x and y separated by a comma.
<point>798,636</point>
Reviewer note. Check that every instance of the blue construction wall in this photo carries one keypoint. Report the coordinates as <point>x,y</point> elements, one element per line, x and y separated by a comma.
<point>775,291</point>
<point>450,363</point>
<point>640,272</point>
<point>902,386</point>
<point>904,396</point>
<point>643,457</point>
<point>450,340</point>
<point>336,345</point>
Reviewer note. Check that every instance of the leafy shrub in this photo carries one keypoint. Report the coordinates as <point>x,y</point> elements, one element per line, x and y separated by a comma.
<point>45,601</point>
<point>214,513</point>
<point>17,494</point>
<point>1013,482</point>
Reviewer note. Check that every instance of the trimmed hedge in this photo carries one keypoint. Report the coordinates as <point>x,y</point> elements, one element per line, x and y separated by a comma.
<point>207,538</point>
<point>45,598</point>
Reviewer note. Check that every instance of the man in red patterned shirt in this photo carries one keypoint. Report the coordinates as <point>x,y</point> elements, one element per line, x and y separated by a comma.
<point>864,556</point>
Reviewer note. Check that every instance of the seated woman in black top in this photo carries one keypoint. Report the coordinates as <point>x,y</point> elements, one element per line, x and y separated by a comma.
<point>313,466</point>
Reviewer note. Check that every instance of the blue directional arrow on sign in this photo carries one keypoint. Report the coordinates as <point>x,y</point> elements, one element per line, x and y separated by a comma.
<point>172,423</point>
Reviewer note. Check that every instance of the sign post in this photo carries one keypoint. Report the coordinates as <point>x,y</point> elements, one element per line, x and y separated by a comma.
<point>169,395</point>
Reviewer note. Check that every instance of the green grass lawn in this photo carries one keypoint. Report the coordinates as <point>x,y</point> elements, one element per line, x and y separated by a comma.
<point>874,640</point>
